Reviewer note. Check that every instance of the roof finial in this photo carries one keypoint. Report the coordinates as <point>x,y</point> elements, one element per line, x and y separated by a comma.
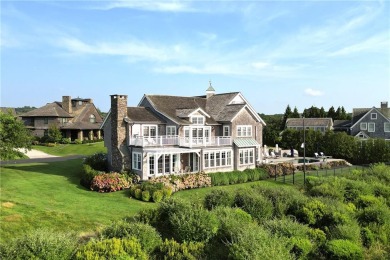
<point>210,87</point>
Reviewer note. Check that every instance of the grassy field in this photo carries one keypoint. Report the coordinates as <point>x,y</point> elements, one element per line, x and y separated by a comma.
<point>48,195</point>
<point>73,149</point>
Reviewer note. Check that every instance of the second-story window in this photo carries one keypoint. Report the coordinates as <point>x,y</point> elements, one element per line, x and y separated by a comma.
<point>150,131</point>
<point>171,130</point>
<point>387,127</point>
<point>197,120</point>
<point>363,126</point>
<point>92,118</point>
<point>244,131</point>
<point>374,115</point>
<point>226,130</point>
<point>45,120</point>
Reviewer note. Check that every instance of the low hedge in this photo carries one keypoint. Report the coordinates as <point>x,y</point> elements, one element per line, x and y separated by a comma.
<point>234,177</point>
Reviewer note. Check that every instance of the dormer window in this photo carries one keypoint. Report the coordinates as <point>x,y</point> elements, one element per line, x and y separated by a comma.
<point>92,118</point>
<point>197,120</point>
<point>80,103</point>
<point>374,115</point>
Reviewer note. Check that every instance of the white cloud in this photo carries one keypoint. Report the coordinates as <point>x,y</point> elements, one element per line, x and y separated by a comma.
<point>313,92</point>
<point>260,65</point>
<point>155,6</point>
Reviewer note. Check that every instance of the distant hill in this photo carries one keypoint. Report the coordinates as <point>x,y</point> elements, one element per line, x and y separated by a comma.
<point>22,110</point>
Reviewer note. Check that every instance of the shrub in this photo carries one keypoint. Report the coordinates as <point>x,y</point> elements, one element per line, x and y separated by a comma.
<point>41,244</point>
<point>258,206</point>
<point>287,227</point>
<point>300,247</point>
<point>167,192</point>
<point>109,182</point>
<point>114,248</point>
<point>367,237</point>
<point>350,231</point>
<point>342,249</point>
<point>65,141</point>
<point>145,195</point>
<point>377,214</point>
<point>170,249</point>
<point>97,161</point>
<point>148,237</point>
<point>157,196</point>
<point>88,174</point>
<point>138,194</point>
<point>364,201</point>
<point>78,141</point>
<point>218,198</point>
<point>195,225</point>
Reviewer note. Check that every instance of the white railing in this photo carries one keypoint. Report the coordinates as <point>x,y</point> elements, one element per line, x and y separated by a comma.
<point>166,140</point>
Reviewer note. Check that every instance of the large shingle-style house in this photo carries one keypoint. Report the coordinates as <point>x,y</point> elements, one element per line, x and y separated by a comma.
<point>371,122</point>
<point>77,118</point>
<point>317,124</point>
<point>176,134</point>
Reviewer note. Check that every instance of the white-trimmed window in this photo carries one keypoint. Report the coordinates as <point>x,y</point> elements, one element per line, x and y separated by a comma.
<point>226,130</point>
<point>171,130</point>
<point>246,156</point>
<point>149,130</point>
<point>151,165</point>
<point>197,120</point>
<point>371,127</point>
<point>387,127</point>
<point>217,159</point>
<point>363,126</point>
<point>244,131</point>
<point>137,161</point>
<point>374,116</point>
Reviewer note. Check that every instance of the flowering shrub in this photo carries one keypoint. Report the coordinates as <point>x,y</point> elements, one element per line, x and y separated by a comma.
<point>108,182</point>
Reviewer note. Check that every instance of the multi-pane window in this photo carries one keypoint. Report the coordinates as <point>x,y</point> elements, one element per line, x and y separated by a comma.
<point>171,130</point>
<point>45,120</point>
<point>151,165</point>
<point>363,126</point>
<point>371,127</point>
<point>63,120</point>
<point>226,130</point>
<point>387,127</point>
<point>246,156</point>
<point>137,161</point>
<point>150,131</point>
<point>217,159</point>
<point>197,120</point>
<point>374,115</point>
<point>244,131</point>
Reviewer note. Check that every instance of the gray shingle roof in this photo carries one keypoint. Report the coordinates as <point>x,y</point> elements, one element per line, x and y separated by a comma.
<point>49,110</point>
<point>141,114</point>
<point>82,126</point>
<point>327,122</point>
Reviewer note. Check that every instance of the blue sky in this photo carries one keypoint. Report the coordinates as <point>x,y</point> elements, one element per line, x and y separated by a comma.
<point>276,53</point>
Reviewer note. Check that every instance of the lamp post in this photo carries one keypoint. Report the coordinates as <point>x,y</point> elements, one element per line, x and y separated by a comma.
<point>304,151</point>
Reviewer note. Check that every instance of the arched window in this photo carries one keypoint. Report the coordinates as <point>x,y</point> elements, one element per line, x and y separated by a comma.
<point>92,118</point>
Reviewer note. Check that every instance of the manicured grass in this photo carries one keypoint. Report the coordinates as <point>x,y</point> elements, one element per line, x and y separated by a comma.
<point>73,149</point>
<point>48,195</point>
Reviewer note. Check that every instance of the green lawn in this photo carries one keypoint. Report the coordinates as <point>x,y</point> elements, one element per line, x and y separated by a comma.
<point>48,195</point>
<point>73,149</point>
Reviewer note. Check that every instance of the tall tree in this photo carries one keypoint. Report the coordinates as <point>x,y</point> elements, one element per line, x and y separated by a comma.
<point>13,136</point>
<point>54,134</point>
<point>322,112</point>
<point>331,113</point>
<point>295,113</point>
<point>338,114</point>
<point>287,114</point>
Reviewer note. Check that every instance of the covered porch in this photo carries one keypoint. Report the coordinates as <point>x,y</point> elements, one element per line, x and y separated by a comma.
<point>162,161</point>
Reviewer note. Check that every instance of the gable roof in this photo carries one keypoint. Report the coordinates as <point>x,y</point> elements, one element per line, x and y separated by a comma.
<point>49,110</point>
<point>142,114</point>
<point>341,123</point>
<point>361,115</point>
<point>326,122</point>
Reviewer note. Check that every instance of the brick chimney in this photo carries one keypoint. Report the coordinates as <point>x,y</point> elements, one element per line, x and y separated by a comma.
<point>210,91</point>
<point>118,132</point>
<point>384,105</point>
<point>67,104</point>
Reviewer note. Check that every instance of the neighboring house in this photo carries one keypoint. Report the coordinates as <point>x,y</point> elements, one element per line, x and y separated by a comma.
<point>77,118</point>
<point>317,124</point>
<point>175,134</point>
<point>371,122</point>
<point>6,110</point>
<point>342,126</point>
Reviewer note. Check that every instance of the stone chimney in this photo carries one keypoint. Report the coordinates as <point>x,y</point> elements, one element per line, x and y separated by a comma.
<point>118,132</point>
<point>210,91</point>
<point>67,104</point>
<point>89,100</point>
<point>384,105</point>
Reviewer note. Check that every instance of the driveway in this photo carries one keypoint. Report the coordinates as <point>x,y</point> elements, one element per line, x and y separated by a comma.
<point>36,156</point>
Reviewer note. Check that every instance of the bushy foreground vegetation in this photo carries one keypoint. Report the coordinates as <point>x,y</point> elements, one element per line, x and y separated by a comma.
<point>332,218</point>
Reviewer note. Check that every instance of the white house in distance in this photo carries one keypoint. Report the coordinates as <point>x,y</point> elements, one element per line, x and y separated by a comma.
<point>176,134</point>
